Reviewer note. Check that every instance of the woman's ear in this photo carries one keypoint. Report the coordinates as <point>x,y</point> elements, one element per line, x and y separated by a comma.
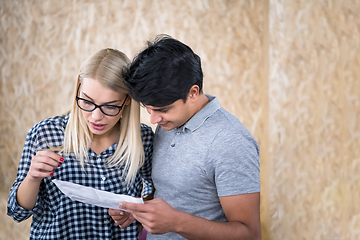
<point>128,100</point>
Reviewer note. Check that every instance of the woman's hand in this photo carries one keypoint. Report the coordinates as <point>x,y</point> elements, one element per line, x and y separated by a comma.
<point>43,165</point>
<point>121,218</point>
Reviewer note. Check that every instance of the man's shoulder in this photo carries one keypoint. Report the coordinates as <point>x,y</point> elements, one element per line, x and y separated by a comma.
<point>220,117</point>
<point>225,121</point>
<point>227,126</point>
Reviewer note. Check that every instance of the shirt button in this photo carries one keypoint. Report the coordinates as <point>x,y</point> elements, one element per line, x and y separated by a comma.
<point>173,144</point>
<point>103,178</point>
<point>99,160</point>
<point>178,133</point>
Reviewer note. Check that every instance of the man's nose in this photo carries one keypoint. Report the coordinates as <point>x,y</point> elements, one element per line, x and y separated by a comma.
<point>154,116</point>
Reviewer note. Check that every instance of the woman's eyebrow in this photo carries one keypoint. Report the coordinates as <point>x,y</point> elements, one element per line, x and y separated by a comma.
<point>106,103</point>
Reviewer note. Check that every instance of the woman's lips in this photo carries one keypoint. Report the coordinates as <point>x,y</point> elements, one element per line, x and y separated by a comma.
<point>98,127</point>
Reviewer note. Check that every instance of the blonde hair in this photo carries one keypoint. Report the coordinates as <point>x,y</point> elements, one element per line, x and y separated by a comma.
<point>106,67</point>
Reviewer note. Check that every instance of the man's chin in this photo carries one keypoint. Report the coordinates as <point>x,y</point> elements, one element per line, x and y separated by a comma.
<point>166,126</point>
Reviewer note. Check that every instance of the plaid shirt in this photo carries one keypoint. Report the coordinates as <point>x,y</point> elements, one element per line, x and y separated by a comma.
<point>55,216</point>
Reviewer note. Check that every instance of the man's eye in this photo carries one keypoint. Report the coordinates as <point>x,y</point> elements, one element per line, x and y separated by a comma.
<point>163,110</point>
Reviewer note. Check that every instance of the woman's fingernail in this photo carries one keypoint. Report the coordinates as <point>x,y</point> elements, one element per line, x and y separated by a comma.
<point>120,205</point>
<point>51,174</point>
<point>61,159</point>
<point>59,165</point>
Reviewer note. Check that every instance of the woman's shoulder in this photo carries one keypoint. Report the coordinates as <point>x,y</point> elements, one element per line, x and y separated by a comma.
<point>146,131</point>
<point>146,128</point>
<point>56,123</point>
<point>48,132</point>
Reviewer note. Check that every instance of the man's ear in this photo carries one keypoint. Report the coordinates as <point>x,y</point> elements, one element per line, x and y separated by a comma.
<point>194,92</point>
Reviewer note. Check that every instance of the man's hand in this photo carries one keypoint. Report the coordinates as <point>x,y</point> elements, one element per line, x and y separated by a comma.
<point>242,212</point>
<point>121,218</point>
<point>157,216</point>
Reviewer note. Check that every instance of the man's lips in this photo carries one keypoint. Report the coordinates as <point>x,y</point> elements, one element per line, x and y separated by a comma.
<point>162,124</point>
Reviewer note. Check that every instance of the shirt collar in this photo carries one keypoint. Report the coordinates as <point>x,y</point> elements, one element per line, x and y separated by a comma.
<point>105,154</point>
<point>200,117</point>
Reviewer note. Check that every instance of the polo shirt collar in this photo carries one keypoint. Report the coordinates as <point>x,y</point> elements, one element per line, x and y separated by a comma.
<point>200,117</point>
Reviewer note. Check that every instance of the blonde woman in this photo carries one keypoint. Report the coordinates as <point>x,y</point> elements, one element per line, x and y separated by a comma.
<point>100,143</point>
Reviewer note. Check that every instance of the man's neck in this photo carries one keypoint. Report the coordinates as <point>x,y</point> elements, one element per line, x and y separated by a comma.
<point>202,102</point>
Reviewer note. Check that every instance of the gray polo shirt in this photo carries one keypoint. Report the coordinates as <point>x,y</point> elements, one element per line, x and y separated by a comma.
<point>212,155</point>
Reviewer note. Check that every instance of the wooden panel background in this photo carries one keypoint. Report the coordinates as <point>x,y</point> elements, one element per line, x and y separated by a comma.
<point>287,69</point>
<point>314,120</point>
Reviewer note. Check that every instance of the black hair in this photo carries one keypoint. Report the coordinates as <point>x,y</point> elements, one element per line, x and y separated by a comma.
<point>163,73</point>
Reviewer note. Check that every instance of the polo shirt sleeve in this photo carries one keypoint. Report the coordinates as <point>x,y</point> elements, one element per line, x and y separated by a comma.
<point>234,163</point>
<point>14,210</point>
<point>145,170</point>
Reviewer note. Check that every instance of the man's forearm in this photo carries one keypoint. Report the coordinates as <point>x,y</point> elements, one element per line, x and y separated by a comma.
<point>192,227</point>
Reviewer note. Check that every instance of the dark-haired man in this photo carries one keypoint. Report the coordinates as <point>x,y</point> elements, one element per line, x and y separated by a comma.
<point>205,163</point>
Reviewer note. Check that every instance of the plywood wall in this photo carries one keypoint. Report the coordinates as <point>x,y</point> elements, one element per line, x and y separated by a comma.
<point>314,119</point>
<point>287,69</point>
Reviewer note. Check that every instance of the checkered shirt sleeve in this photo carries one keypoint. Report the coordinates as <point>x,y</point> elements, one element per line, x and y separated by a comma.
<point>145,171</point>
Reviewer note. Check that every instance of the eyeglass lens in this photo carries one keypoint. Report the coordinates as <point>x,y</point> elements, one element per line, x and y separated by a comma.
<point>106,109</point>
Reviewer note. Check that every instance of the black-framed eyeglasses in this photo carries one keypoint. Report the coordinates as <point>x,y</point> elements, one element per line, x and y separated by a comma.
<point>88,106</point>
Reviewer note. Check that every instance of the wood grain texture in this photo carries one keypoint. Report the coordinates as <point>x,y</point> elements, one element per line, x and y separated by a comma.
<point>314,110</point>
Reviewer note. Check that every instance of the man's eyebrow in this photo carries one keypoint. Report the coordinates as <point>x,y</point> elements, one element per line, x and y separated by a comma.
<point>162,108</point>
<point>106,103</point>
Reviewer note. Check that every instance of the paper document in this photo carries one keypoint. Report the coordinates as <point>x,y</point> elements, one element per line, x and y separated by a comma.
<point>94,196</point>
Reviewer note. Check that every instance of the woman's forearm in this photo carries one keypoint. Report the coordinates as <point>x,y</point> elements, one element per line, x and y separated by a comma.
<point>27,193</point>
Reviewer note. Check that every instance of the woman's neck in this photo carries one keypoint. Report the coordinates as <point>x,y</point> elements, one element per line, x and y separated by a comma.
<point>102,142</point>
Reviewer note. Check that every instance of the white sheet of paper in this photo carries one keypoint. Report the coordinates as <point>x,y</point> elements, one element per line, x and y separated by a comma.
<point>94,196</point>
